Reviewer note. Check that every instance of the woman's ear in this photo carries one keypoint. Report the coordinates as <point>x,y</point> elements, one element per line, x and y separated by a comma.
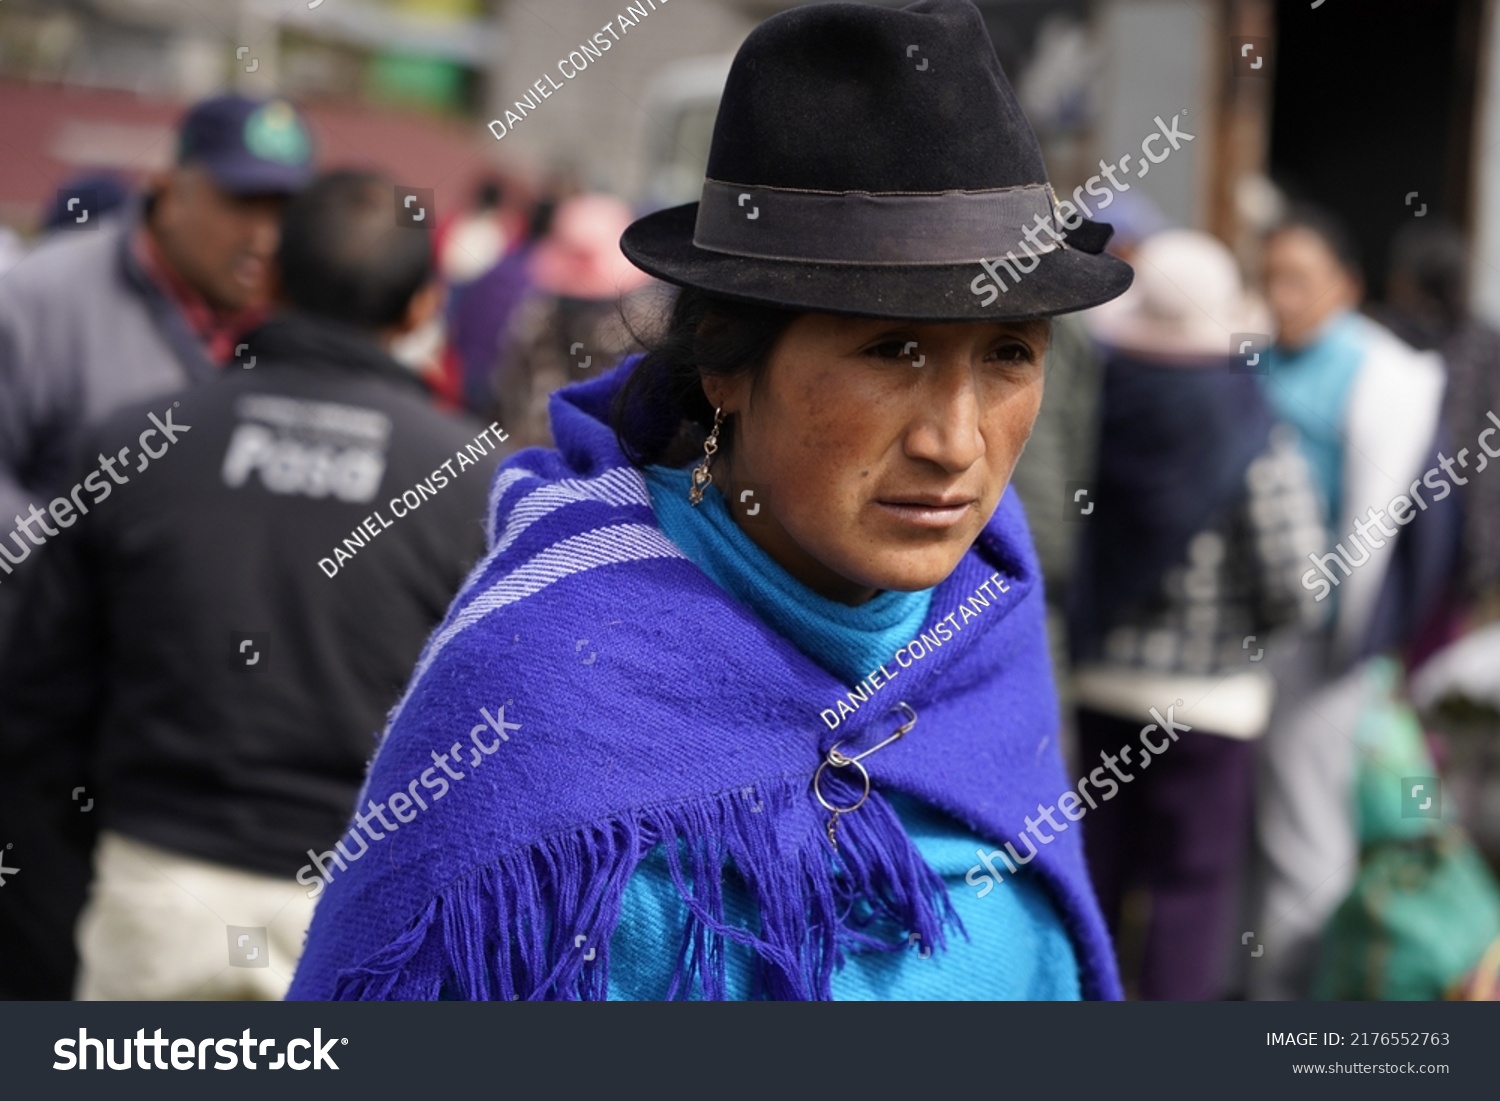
<point>726,392</point>
<point>713,389</point>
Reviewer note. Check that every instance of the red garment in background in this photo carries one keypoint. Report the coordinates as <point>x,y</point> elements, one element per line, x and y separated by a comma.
<point>219,331</point>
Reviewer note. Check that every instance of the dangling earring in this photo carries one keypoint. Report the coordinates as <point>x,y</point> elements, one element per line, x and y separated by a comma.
<point>701,476</point>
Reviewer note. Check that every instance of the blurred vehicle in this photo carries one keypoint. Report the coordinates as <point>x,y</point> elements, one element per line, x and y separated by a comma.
<point>680,105</point>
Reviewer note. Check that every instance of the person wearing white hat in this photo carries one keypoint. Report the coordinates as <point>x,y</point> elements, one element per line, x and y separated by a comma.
<point>574,324</point>
<point>1202,516</point>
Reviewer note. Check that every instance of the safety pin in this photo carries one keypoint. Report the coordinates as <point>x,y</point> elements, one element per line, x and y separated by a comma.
<point>835,759</point>
<point>838,760</point>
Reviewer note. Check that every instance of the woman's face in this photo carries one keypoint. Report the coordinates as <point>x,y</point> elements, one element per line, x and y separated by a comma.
<point>878,450</point>
<point>1305,285</point>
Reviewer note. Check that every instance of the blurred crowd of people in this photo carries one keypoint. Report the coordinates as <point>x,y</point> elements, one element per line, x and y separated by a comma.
<point>187,702</point>
<point>1208,486</point>
<point>187,705</point>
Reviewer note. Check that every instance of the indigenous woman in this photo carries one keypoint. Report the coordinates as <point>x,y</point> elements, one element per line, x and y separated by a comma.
<point>750,696</point>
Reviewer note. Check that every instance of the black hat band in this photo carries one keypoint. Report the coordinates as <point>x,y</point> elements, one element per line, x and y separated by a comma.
<point>861,227</point>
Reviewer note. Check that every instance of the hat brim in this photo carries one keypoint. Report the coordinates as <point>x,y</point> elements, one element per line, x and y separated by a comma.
<point>1064,280</point>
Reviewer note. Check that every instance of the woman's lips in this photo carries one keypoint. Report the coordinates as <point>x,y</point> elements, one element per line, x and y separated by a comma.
<point>933,513</point>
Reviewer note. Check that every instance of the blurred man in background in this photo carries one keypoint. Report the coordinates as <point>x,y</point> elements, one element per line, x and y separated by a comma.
<point>211,653</point>
<point>149,302</point>
<point>1061,452</point>
<point>1367,409</point>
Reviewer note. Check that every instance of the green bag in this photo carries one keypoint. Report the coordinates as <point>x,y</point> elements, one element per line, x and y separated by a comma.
<point>1420,917</point>
<point>1424,906</point>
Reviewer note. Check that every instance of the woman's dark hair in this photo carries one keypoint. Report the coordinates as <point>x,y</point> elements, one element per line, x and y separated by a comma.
<point>343,256</point>
<point>1326,226</point>
<point>1433,261</point>
<point>660,414</point>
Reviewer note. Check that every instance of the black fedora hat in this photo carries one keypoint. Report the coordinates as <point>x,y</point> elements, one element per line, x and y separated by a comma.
<point>865,160</point>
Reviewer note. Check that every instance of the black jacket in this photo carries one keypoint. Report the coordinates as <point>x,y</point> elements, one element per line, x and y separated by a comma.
<point>183,655</point>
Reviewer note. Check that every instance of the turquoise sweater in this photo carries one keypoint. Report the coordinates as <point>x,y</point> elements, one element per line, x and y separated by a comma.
<point>1015,948</point>
<point>1309,389</point>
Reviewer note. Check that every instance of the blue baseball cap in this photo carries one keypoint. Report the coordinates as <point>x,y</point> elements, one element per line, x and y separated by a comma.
<point>249,146</point>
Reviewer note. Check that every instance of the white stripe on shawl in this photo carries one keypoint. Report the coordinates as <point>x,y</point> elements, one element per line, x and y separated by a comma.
<point>576,554</point>
<point>503,481</point>
<point>623,485</point>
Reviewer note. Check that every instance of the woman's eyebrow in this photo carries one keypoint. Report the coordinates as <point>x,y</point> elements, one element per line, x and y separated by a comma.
<point>1023,331</point>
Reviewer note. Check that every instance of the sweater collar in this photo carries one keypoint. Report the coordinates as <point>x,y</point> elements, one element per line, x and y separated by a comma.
<point>847,640</point>
<point>302,340</point>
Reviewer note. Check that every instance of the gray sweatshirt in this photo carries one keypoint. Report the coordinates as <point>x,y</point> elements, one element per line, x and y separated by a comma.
<point>82,332</point>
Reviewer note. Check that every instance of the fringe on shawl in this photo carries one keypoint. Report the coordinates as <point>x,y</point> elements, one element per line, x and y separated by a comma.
<point>517,928</point>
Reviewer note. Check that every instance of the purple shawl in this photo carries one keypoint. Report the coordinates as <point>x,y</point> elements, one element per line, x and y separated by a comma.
<point>641,704</point>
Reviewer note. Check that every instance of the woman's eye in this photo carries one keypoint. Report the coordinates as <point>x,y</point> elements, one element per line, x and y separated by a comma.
<point>1014,353</point>
<point>894,349</point>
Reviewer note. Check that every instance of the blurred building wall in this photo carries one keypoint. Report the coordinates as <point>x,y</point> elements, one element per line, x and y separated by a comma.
<point>636,120</point>
<point>1156,62</point>
<point>1486,264</point>
<point>434,54</point>
<point>597,121</point>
